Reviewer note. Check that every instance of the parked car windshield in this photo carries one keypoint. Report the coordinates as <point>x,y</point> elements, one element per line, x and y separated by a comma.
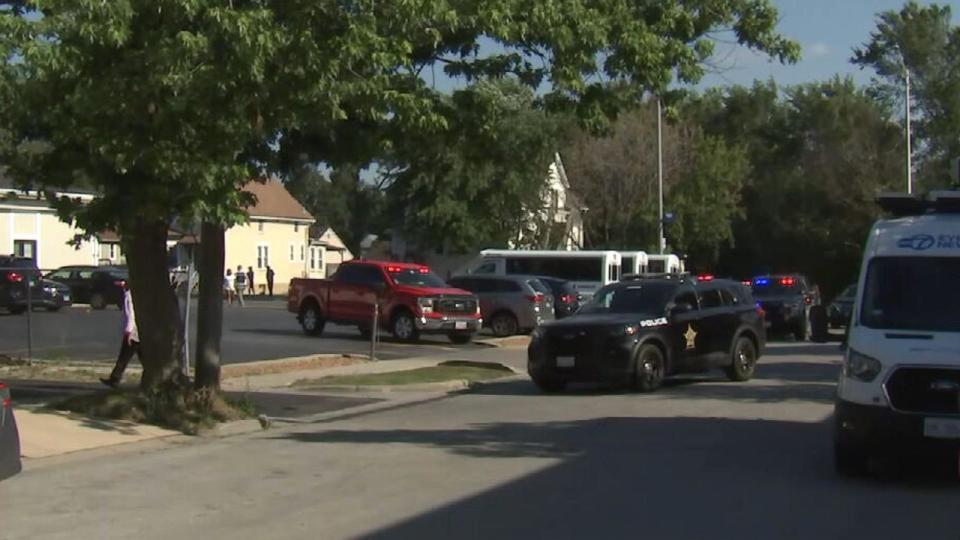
<point>640,298</point>
<point>912,293</point>
<point>414,277</point>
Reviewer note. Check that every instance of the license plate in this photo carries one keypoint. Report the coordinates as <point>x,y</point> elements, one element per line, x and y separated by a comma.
<point>460,325</point>
<point>565,361</point>
<point>941,428</point>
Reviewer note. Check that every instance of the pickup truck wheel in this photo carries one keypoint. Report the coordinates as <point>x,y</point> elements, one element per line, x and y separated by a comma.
<point>98,302</point>
<point>404,327</point>
<point>311,320</point>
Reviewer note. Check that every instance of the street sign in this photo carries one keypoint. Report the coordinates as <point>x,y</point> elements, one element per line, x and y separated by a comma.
<point>669,217</point>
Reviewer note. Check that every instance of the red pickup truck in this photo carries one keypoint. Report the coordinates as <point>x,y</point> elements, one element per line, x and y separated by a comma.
<point>412,301</point>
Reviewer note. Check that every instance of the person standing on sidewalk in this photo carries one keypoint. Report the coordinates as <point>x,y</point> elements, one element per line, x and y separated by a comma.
<point>270,275</point>
<point>130,344</point>
<point>228,286</point>
<point>250,285</point>
<point>240,284</point>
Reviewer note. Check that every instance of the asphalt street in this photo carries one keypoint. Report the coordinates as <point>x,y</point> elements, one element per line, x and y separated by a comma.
<point>702,458</point>
<point>263,330</point>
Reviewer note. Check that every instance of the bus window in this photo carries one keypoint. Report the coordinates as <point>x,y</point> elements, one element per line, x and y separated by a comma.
<point>657,266</point>
<point>627,264</point>
<point>489,267</point>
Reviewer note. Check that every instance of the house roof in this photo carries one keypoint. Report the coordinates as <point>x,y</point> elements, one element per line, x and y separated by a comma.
<point>274,201</point>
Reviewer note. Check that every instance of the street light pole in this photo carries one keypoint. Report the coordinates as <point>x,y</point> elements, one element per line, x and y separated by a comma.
<point>661,239</point>
<point>906,113</point>
<point>906,76</point>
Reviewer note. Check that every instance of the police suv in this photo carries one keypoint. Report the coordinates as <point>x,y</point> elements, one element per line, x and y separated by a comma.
<point>899,392</point>
<point>641,330</point>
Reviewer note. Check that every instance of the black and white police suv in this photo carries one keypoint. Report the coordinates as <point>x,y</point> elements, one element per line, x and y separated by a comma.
<point>899,393</point>
<point>641,330</point>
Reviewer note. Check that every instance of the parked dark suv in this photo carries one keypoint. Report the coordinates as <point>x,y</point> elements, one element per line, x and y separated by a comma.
<point>786,300</point>
<point>566,299</point>
<point>99,286</point>
<point>640,331</point>
<point>15,273</point>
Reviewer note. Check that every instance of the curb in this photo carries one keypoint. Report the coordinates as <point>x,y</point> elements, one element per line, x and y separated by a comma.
<point>293,363</point>
<point>511,341</point>
<point>440,386</point>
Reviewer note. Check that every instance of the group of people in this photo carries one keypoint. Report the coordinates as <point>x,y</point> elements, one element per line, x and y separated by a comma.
<point>235,285</point>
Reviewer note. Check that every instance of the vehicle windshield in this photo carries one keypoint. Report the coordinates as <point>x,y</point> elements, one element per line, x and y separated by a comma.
<point>775,286</point>
<point>649,298</point>
<point>415,277</point>
<point>912,293</point>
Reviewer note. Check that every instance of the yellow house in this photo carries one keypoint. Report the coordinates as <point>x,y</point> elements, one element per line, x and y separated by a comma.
<point>277,235</point>
<point>326,252</point>
<point>30,228</point>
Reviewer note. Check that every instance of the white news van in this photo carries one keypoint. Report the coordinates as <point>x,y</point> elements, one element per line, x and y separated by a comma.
<point>899,392</point>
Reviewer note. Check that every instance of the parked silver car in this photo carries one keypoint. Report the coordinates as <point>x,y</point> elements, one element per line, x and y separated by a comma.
<point>509,304</point>
<point>9,436</point>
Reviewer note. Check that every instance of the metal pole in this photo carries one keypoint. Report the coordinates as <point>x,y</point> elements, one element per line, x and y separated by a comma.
<point>186,319</point>
<point>29,317</point>
<point>906,73</point>
<point>661,239</point>
<point>374,330</point>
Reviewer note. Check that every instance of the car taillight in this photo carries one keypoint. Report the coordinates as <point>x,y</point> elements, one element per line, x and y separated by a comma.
<point>14,277</point>
<point>535,298</point>
<point>120,283</point>
<point>7,402</point>
<point>808,300</point>
<point>568,299</point>
<point>705,277</point>
<point>760,310</point>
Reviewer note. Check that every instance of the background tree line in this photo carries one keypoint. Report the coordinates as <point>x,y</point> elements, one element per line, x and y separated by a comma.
<point>761,178</point>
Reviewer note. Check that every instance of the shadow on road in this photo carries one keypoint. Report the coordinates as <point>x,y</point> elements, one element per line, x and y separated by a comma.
<point>665,478</point>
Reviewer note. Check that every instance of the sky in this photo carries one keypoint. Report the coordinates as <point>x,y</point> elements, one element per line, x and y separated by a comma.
<point>827,30</point>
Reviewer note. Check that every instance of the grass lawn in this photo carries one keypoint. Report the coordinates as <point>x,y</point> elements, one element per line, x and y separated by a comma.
<point>447,371</point>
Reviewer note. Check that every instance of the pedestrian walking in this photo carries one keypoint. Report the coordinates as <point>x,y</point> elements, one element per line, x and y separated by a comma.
<point>250,285</point>
<point>130,343</point>
<point>228,287</point>
<point>270,275</point>
<point>240,284</point>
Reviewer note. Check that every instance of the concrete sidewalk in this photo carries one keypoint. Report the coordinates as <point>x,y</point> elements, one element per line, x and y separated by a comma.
<point>45,433</point>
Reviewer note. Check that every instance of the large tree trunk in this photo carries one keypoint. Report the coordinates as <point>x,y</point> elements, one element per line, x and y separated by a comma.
<point>155,302</point>
<point>210,311</point>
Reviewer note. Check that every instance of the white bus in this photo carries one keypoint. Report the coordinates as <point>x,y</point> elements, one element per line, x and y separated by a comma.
<point>664,264</point>
<point>633,262</point>
<point>587,270</point>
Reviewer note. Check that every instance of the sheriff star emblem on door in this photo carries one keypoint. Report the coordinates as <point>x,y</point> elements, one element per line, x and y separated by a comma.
<point>691,336</point>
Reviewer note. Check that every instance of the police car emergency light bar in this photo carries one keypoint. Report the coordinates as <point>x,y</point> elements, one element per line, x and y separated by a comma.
<point>903,204</point>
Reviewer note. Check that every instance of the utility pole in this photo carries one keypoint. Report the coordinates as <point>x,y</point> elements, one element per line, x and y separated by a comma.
<point>906,113</point>
<point>661,239</point>
<point>906,76</point>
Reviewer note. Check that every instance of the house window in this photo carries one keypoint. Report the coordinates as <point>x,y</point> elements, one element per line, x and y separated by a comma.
<point>260,226</point>
<point>292,253</point>
<point>25,248</point>
<point>263,257</point>
<point>296,227</point>
<point>113,252</point>
<point>302,248</point>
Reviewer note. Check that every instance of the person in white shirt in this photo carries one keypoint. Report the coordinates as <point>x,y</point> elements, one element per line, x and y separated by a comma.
<point>131,340</point>
<point>228,285</point>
